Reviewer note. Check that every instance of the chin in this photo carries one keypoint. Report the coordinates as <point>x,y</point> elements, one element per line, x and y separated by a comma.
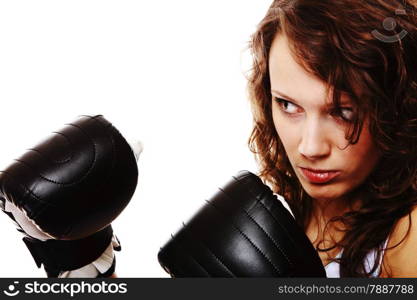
<point>323,192</point>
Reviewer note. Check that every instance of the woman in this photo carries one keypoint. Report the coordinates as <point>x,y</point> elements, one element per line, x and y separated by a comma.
<point>334,95</point>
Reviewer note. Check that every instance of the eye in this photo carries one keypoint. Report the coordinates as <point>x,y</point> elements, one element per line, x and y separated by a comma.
<point>286,106</point>
<point>346,114</point>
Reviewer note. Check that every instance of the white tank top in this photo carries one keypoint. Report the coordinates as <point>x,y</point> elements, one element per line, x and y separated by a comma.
<point>333,268</point>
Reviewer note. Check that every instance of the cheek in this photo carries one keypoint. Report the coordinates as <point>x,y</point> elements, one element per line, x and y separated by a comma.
<point>285,131</point>
<point>364,155</point>
<point>359,160</point>
<point>284,134</point>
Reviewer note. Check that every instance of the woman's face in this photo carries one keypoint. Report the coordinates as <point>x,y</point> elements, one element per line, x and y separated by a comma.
<point>312,135</point>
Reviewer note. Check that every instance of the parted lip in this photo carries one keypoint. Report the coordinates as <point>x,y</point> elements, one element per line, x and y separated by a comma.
<point>319,170</point>
<point>319,176</point>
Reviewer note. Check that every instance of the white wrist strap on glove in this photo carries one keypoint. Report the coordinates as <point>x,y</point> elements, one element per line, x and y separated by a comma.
<point>92,270</point>
<point>99,266</point>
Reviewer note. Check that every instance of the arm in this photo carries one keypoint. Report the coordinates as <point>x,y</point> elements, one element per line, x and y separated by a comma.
<point>64,193</point>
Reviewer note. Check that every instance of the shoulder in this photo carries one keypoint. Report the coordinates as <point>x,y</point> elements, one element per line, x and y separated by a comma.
<point>400,261</point>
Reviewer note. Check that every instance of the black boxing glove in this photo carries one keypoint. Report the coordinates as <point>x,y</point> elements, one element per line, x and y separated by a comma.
<point>243,231</point>
<point>64,193</point>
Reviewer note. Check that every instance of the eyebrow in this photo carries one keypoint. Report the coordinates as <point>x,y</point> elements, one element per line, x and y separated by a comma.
<point>296,102</point>
<point>285,96</point>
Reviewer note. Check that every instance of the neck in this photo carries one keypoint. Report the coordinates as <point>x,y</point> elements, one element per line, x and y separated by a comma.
<point>325,209</point>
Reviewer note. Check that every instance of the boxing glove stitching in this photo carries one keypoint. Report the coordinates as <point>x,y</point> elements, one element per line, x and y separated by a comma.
<point>23,164</point>
<point>106,124</point>
<point>17,225</point>
<point>279,223</point>
<point>274,200</point>
<point>69,141</point>
<point>272,239</point>
<point>288,235</point>
<point>249,240</point>
<point>192,257</point>
<point>71,183</point>
<point>112,131</point>
<point>29,191</point>
<point>211,252</point>
<point>247,213</point>
<point>55,161</point>
<point>248,178</point>
<point>111,137</point>
<point>265,196</point>
<point>46,203</point>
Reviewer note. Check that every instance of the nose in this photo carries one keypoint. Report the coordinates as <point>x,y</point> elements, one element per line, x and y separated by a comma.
<point>314,144</point>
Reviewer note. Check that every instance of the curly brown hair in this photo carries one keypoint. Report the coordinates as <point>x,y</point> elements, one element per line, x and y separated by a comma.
<point>334,40</point>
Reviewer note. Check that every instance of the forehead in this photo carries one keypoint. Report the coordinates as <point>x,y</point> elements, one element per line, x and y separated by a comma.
<point>290,78</point>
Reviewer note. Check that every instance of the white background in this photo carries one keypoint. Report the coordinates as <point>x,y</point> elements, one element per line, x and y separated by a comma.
<point>169,73</point>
